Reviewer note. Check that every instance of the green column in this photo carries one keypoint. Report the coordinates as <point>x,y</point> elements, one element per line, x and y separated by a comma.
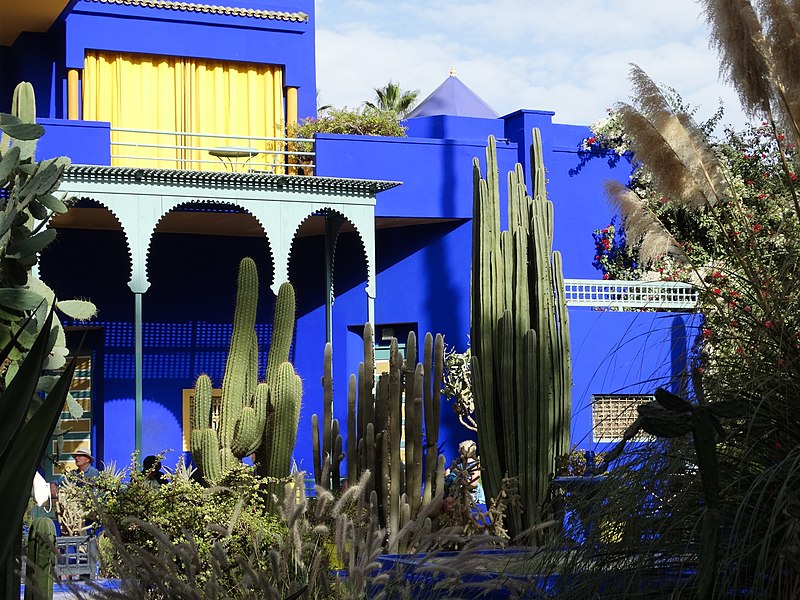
<point>137,332</point>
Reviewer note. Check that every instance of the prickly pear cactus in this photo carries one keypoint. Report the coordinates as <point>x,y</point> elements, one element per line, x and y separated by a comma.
<point>520,338</point>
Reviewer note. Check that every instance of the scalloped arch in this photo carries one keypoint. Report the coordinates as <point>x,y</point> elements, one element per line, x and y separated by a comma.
<point>365,253</point>
<point>187,201</point>
<point>108,206</point>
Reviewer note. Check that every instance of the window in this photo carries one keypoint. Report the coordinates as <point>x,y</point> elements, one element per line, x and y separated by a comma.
<point>612,414</point>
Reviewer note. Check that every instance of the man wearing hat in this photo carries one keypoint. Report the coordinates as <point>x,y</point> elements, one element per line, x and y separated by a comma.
<point>83,461</point>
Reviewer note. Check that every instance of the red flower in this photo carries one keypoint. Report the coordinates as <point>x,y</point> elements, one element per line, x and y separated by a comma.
<point>716,291</point>
<point>762,196</point>
<point>757,227</point>
<point>591,140</point>
<point>605,276</point>
<point>707,333</point>
<point>792,176</point>
<point>716,275</point>
<point>769,324</point>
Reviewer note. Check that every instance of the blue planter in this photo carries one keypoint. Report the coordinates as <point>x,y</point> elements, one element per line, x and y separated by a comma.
<point>423,576</point>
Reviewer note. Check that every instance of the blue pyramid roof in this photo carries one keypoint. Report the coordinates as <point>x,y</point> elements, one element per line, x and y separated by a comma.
<point>453,98</point>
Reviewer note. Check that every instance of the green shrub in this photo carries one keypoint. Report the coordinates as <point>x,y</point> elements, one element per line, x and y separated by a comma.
<point>356,121</point>
<point>232,515</point>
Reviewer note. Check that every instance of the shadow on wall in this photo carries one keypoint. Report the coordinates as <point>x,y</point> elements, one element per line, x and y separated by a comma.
<point>626,353</point>
<point>161,430</point>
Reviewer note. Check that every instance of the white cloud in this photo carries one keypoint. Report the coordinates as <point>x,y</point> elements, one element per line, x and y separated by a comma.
<point>571,56</point>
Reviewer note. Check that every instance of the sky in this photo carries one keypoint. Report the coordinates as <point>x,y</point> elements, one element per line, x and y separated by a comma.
<point>568,56</point>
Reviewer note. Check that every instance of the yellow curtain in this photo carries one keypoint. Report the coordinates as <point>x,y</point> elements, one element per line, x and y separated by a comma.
<point>240,101</point>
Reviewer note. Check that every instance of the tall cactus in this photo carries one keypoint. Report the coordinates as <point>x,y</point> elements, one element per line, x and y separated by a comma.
<point>520,338</point>
<point>375,429</point>
<point>249,421</point>
<point>39,572</point>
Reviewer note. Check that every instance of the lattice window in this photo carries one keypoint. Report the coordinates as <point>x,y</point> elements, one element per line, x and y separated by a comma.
<point>612,414</point>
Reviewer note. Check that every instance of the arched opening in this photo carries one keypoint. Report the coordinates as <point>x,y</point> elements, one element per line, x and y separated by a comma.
<point>187,312</point>
<point>90,259</point>
<point>307,271</point>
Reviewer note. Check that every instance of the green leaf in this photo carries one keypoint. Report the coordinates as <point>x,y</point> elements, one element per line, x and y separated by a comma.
<point>46,383</point>
<point>9,119</point>
<point>82,310</point>
<point>23,131</point>
<point>19,299</point>
<point>74,408</point>
<point>30,246</point>
<point>25,454</point>
<point>9,163</point>
<point>15,400</point>
<point>38,211</point>
<point>53,203</point>
<point>44,181</point>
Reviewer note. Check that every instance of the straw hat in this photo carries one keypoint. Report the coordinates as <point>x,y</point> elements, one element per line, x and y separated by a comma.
<point>83,452</point>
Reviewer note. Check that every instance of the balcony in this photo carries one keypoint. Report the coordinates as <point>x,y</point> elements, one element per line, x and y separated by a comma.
<point>96,143</point>
<point>632,295</point>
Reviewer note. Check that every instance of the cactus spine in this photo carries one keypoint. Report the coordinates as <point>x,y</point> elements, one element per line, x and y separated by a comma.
<point>331,448</point>
<point>520,338</point>
<point>251,420</point>
<point>41,559</point>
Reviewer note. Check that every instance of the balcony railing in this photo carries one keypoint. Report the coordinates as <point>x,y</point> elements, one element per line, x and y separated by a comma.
<point>211,152</point>
<point>671,295</point>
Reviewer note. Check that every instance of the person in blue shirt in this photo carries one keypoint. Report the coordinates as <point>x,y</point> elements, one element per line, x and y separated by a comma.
<point>83,461</point>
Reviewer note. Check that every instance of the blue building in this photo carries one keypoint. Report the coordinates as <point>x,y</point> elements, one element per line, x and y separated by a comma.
<point>174,115</point>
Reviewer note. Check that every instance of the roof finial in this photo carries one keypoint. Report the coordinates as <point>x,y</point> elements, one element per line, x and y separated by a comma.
<point>452,71</point>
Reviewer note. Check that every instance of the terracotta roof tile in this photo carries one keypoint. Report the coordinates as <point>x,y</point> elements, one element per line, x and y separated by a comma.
<point>212,9</point>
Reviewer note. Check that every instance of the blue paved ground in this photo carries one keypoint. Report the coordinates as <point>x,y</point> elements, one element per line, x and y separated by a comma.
<point>62,591</point>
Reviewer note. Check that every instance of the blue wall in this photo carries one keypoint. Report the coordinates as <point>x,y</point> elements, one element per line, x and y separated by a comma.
<point>423,236</point>
<point>43,59</point>
<point>85,142</point>
<point>625,353</point>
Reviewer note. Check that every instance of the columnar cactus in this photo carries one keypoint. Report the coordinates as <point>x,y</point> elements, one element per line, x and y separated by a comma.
<point>39,573</point>
<point>330,448</point>
<point>254,417</point>
<point>520,338</point>
<point>401,487</point>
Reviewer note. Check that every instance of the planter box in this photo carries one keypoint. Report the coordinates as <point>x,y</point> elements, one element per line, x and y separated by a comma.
<point>501,573</point>
<point>77,556</point>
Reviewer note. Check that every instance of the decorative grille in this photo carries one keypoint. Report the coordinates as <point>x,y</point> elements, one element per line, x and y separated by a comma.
<point>630,294</point>
<point>613,414</point>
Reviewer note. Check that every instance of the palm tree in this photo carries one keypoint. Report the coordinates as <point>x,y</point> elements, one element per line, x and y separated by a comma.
<point>391,97</point>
